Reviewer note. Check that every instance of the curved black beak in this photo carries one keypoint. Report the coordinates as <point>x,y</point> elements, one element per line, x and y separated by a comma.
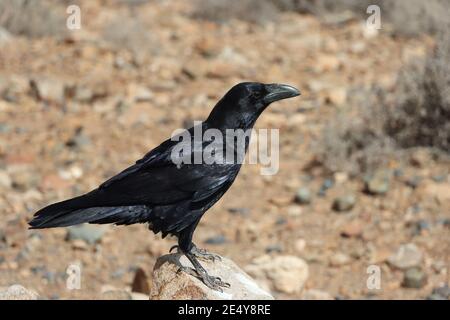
<point>279,91</point>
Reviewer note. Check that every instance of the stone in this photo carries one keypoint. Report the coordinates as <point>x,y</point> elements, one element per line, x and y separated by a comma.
<point>337,96</point>
<point>17,292</point>
<point>414,278</point>
<point>413,182</point>
<point>115,294</point>
<point>86,232</point>
<point>168,284</point>
<point>313,294</point>
<point>286,274</point>
<point>5,179</point>
<point>327,184</point>
<point>79,244</point>
<point>339,259</point>
<point>219,239</point>
<point>344,203</point>
<point>5,36</point>
<point>407,256</point>
<point>274,248</point>
<point>84,95</point>
<point>420,157</point>
<point>438,191</point>
<point>79,140</point>
<point>140,282</point>
<point>143,94</point>
<point>440,293</point>
<point>299,245</point>
<point>326,62</point>
<point>435,296</point>
<point>49,90</point>
<point>352,229</point>
<point>294,211</point>
<point>139,296</point>
<point>377,185</point>
<point>303,196</point>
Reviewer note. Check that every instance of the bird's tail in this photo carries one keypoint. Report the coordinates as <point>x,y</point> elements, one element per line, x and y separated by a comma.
<point>86,208</point>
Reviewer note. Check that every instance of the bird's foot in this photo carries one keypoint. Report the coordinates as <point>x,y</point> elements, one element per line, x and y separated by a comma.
<point>201,253</point>
<point>214,283</point>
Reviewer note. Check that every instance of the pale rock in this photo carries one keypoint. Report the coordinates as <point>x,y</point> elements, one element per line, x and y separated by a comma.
<point>369,32</point>
<point>5,36</point>
<point>326,62</point>
<point>314,294</point>
<point>86,232</point>
<point>296,120</point>
<point>143,95</point>
<point>438,191</point>
<point>50,90</point>
<point>116,294</point>
<point>340,177</point>
<point>168,284</point>
<point>300,245</point>
<point>337,96</point>
<point>294,211</point>
<point>5,179</point>
<point>286,274</point>
<point>17,292</point>
<point>339,259</point>
<point>139,296</point>
<point>358,47</point>
<point>352,229</point>
<point>84,94</point>
<point>407,256</point>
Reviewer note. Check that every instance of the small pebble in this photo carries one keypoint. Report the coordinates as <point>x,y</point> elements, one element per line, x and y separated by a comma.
<point>414,278</point>
<point>303,196</point>
<point>220,239</point>
<point>344,203</point>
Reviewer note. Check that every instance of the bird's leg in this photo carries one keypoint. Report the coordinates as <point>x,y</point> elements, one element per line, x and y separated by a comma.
<point>200,253</point>
<point>186,247</point>
<point>211,282</point>
<point>203,254</point>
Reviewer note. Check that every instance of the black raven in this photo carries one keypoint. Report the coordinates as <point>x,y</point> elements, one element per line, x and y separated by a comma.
<point>169,195</point>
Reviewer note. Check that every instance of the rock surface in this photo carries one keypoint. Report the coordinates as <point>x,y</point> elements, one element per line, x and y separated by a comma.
<point>286,274</point>
<point>17,292</point>
<point>407,256</point>
<point>170,285</point>
<point>86,232</point>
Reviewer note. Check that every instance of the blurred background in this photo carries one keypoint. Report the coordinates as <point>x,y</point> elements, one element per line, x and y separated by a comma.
<point>364,152</point>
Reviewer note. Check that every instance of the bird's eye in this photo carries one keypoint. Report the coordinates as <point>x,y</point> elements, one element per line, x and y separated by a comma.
<point>257,95</point>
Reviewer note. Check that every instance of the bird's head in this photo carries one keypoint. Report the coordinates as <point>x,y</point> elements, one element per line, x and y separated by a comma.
<point>244,102</point>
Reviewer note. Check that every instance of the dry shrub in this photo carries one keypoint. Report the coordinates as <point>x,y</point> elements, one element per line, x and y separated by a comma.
<point>130,33</point>
<point>32,18</point>
<point>406,17</point>
<point>254,11</point>
<point>419,109</point>
<point>413,17</point>
<point>386,124</point>
<point>354,141</point>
